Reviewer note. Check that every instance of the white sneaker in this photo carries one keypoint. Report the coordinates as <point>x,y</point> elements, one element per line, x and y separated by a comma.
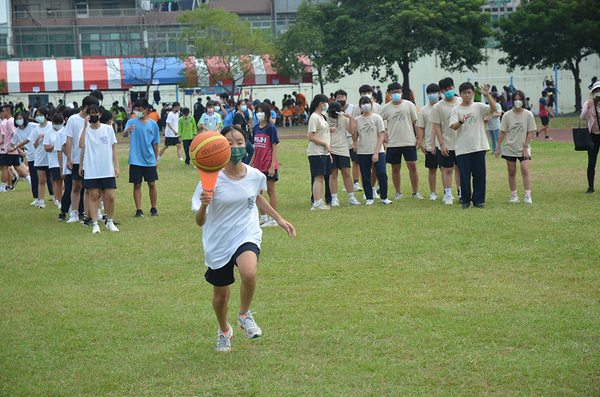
<point>433,197</point>
<point>398,196</point>
<point>528,200</point>
<point>110,225</point>
<point>357,187</point>
<point>181,159</point>
<point>224,341</point>
<point>34,202</point>
<point>335,202</point>
<point>41,205</point>
<point>262,221</point>
<point>514,199</point>
<point>353,201</point>
<point>344,189</point>
<point>320,206</point>
<point>158,159</point>
<point>369,202</point>
<point>96,228</point>
<point>417,195</point>
<point>386,201</point>
<point>247,323</point>
<point>270,223</point>
<point>99,214</point>
<point>57,203</point>
<point>448,199</point>
<point>375,195</point>
<point>73,216</point>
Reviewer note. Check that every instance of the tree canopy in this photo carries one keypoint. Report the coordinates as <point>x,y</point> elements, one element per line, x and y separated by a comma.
<point>545,33</point>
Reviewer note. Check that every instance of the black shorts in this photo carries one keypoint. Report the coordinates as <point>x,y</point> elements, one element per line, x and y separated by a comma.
<point>171,141</point>
<point>514,159</point>
<point>272,178</point>
<point>320,165</point>
<point>340,161</point>
<point>43,168</point>
<point>55,172</point>
<point>136,172</point>
<point>431,161</point>
<point>545,120</point>
<point>394,154</point>
<point>353,156</point>
<point>75,173</point>
<point>10,160</point>
<point>224,276</point>
<point>100,183</point>
<point>446,162</point>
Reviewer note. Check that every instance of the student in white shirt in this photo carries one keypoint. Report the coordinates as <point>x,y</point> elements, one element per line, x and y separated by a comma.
<point>319,151</point>
<point>24,128</point>
<point>231,235</point>
<point>55,156</point>
<point>424,132</point>
<point>99,152</point>
<point>41,156</point>
<point>171,132</point>
<point>341,96</point>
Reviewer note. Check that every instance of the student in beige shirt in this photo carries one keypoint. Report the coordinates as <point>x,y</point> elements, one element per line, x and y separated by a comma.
<point>516,129</point>
<point>424,133</point>
<point>319,150</point>
<point>467,120</point>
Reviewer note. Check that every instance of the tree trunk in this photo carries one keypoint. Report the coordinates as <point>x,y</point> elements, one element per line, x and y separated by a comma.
<point>148,92</point>
<point>320,71</point>
<point>574,66</point>
<point>404,65</point>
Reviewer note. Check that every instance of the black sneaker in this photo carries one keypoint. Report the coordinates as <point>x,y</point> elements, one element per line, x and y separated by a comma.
<point>105,219</point>
<point>590,191</point>
<point>480,205</point>
<point>15,180</point>
<point>153,211</point>
<point>62,217</point>
<point>139,214</point>
<point>87,222</point>
<point>466,206</point>
<point>82,217</point>
<point>11,188</point>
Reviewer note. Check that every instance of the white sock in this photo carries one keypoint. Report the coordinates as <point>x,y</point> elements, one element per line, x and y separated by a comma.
<point>448,192</point>
<point>351,195</point>
<point>3,186</point>
<point>28,180</point>
<point>264,217</point>
<point>317,202</point>
<point>459,192</point>
<point>334,196</point>
<point>41,201</point>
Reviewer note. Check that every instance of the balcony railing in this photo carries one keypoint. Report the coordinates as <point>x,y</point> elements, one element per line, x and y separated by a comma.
<point>69,14</point>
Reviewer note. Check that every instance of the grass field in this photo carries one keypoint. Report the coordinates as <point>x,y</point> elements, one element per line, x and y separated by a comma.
<point>411,299</point>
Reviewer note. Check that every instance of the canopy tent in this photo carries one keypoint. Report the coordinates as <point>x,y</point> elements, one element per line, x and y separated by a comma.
<point>123,73</point>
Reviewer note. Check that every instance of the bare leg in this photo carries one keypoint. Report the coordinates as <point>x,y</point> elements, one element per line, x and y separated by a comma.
<point>178,146</point>
<point>348,183</point>
<point>447,177</point>
<point>396,177</point>
<point>432,179</point>
<point>57,186</point>
<point>94,196</point>
<point>318,188</point>
<point>272,194</point>
<point>526,175</point>
<point>512,175</point>
<point>414,175</point>
<point>162,150</point>
<point>75,193</point>
<point>137,195</point>
<point>41,184</point>
<point>333,181</point>
<point>109,203</point>
<point>247,265</point>
<point>220,302</point>
<point>153,194</point>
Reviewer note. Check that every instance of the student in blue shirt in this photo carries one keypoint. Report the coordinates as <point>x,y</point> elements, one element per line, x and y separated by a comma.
<point>211,120</point>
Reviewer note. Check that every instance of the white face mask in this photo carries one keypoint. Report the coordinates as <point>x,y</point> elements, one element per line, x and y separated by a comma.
<point>217,108</point>
<point>138,114</point>
<point>260,116</point>
<point>518,104</point>
<point>366,107</point>
<point>368,96</point>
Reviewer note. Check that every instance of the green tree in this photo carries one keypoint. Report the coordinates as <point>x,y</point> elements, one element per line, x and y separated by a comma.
<point>551,32</point>
<point>219,39</point>
<point>3,86</point>
<point>382,33</point>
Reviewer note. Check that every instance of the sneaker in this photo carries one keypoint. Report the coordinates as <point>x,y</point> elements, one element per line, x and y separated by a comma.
<point>369,202</point>
<point>537,133</point>
<point>34,202</point>
<point>480,206</point>
<point>353,201</point>
<point>433,197</point>
<point>82,217</point>
<point>87,222</point>
<point>466,206</point>
<point>158,159</point>
<point>99,214</point>
<point>15,180</point>
<point>448,199</point>
<point>153,212</point>
<point>96,228</point>
<point>548,138</point>
<point>514,199</point>
<point>590,191</point>
<point>335,202</point>
<point>246,322</point>
<point>386,201</point>
<point>271,223</point>
<point>61,217</point>
<point>41,205</point>
<point>139,214</point>
<point>110,225</point>
<point>224,341</point>
<point>398,196</point>
<point>73,216</point>
<point>417,195</point>
<point>357,187</point>
<point>10,188</point>
<point>320,206</point>
<point>528,200</point>
<point>57,203</point>
<point>262,221</point>
<point>181,159</point>
<point>344,189</point>
<point>375,195</point>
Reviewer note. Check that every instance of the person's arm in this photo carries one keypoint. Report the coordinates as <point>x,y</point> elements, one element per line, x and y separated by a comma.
<point>19,146</point>
<point>273,159</point>
<point>82,137</point>
<point>527,143</point>
<point>48,148</point>
<point>549,110</point>
<point>585,110</point>
<point>68,148</point>
<point>382,136</point>
<point>116,160</point>
<point>420,135</point>
<point>499,144</point>
<point>312,136</point>
<point>436,132</point>
<point>265,207</point>
<point>155,148</point>
<point>81,162</point>
<point>37,140</point>
<point>172,129</point>
<point>129,129</point>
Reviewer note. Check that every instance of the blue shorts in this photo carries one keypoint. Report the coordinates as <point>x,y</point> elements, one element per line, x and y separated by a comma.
<point>353,156</point>
<point>431,161</point>
<point>274,177</point>
<point>394,154</point>
<point>224,276</point>
<point>100,183</point>
<point>75,173</point>
<point>514,159</point>
<point>320,165</point>
<point>55,172</point>
<point>446,162</point>
<point>340,161</point>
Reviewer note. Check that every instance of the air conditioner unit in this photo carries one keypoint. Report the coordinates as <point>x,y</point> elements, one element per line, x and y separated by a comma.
<point>145,4</point>
<point>82,9</point>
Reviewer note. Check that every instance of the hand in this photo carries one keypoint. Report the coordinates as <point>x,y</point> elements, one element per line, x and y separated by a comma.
<point>444,150</point>
<point>87,119</point>
<point>272,171</point>
<point>525,153</point>
<point>375,158</point>
<point>129,129</point>
<point>81,170</point>
<point>347,115</point>
<point>328,148</point>
<point>117,172</point>
<point>12,149</point>
<point>485,89</point>
<point>331,157</point>
<point>433,149</point>
<point>205,198</point>
<point>333,129</point>
<point>285,225</point>
<point>423,149</point>
<point>590,104</point>
<point>497,153</point>
<point>465,117</point>
<point>70,165</point>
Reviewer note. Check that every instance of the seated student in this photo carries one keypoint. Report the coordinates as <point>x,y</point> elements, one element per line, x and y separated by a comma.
<point>287,115</point>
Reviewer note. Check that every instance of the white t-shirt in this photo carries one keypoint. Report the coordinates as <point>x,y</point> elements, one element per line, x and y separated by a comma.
<point>441,115</point>
<point>61,139</point>
<point>98,156</point>
<point>173,121</point>
<point>232,217</point>
<point>349,110</point>
<point>23,134</point>
<point>41,155</point>
<point>516,127</point>
<point>368,129</point>
<point>400,120</point>
<point>50,139</point>
<point>73,130</point>
<point>318,125</point>
<point>339,145</point>
<point>424,121</point>
<point>471,136</point>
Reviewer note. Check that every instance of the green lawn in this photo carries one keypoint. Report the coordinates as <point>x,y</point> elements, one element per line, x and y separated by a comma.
<point>411,299</point>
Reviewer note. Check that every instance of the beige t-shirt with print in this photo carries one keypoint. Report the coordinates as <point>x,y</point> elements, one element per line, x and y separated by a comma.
<point>318,125</point>
<point>400,119</point>
<point>441,115</point>
<point>339,144</point>
<point>516,126</point>
<point>424,122</point>
<point>368,129</point>
<point>471,136</point>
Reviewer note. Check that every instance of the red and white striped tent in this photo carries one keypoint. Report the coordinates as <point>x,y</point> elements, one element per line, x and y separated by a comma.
<point>121,73</point>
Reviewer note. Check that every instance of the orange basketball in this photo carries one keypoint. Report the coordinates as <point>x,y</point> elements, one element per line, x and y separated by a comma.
<point>210,151</point>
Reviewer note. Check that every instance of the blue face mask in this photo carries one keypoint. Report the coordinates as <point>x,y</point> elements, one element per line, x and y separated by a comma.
<point>325,109</point>
<point>449,94</point>
<point>433,97</point>
<point>19,122</point>
<point>396,97</point>
<point>243,108</point>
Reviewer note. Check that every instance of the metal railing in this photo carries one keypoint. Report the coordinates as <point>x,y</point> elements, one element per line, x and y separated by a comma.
<point>69,14</point>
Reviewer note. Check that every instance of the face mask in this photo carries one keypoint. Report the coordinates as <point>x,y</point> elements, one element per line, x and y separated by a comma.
<point>325,108</point>
<point>243,108</point>
<point>217,108</point>
<point>57,127</point>
<point>597,95</point>
<point>396,97</point>
<point>237,154</point>
<point>138,114</point>
<point>518,104</point>
<point>449,94</point>
<point>210,111</point>
<point>366,107</point>
<point>40,119</point>
<point>433,97</point>
<point>99,103</point>
<point>94,119</point>
<point>368,95</point>
<point>19,122</point>
<point>343,103</point>
<point>260,116</point>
